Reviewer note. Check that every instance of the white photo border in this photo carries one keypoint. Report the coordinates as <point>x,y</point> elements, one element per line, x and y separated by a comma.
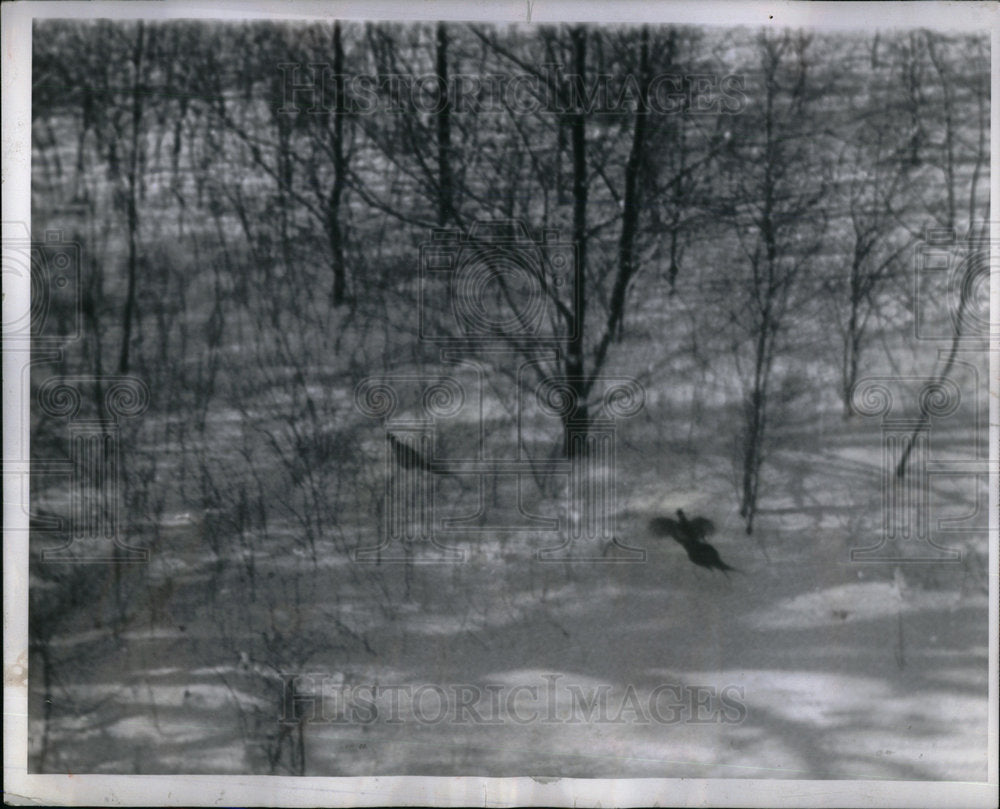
<point>20,787</point>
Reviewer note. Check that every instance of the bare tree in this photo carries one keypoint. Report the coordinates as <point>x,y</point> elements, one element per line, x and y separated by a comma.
<point>872,189</point>
<point>777,184</point>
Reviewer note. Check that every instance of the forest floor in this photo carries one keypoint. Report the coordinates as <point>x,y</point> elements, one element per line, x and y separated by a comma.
<point>829,668</point>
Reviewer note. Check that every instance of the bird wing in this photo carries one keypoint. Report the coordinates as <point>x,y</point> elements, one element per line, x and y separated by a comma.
<point>702,527</point>
<point>665,527</point>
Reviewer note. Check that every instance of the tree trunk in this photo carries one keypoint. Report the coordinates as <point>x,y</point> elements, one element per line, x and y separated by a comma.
<point>338,294</point>
<point>132,209</point>
<point>852,347</point>
<point>578,137</point>
<point>756,421</point>
<point>445,189</point>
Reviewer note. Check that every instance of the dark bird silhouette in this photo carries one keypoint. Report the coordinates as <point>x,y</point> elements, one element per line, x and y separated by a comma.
<point>409,458</point>
<point>682,529</point>
<point>698,528</point>
<point>704,555</point>
<point>690,534</point>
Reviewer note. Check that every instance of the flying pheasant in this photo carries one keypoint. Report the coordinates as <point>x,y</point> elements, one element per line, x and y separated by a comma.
<point>691,536</point>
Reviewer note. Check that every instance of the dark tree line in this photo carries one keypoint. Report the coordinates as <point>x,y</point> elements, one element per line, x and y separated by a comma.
<point>803,158</point>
